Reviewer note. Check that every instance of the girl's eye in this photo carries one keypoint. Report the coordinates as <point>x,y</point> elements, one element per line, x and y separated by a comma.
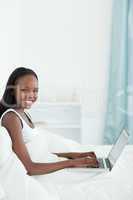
<point>36,91</point>
<point>27,90</point>
<point>24,90</point>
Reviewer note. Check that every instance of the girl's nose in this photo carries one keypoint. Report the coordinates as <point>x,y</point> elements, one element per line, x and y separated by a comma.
<point>31,95</point>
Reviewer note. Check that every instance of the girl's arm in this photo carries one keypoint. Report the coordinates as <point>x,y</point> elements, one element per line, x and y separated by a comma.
<point>75,155</point>
<point>13,124</point>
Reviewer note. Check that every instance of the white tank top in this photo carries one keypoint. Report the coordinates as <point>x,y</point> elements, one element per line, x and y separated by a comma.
<point>27,131</point>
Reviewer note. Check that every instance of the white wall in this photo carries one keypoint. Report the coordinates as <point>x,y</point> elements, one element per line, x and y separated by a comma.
<point>95,77</point>
<point>9,38</point>
<point>66,42</point>
<point>55,43</point>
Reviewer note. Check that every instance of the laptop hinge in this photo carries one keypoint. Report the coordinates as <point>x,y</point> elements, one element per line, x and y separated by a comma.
<point>108,164</point>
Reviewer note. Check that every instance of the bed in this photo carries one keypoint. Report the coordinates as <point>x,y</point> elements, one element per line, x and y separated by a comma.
<point>16,184</point>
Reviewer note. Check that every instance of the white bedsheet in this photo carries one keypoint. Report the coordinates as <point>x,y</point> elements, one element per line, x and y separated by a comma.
<point>64,185</point>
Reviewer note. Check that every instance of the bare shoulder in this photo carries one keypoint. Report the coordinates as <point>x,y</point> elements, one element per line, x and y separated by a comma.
<point>12,123</point>
<point>10,118</point>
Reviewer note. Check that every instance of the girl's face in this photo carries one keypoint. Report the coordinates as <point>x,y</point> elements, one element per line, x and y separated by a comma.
<point>26,91</point>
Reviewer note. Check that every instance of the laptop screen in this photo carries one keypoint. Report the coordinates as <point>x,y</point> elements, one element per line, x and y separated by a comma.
<point>118,147</point>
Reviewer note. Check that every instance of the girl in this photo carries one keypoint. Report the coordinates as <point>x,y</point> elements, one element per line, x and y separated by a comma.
<point>20,93</point>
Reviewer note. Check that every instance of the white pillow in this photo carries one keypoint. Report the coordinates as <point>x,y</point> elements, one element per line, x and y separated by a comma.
<point>5,145</point>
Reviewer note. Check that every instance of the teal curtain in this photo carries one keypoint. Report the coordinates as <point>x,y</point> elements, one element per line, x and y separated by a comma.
<point>119,112</point>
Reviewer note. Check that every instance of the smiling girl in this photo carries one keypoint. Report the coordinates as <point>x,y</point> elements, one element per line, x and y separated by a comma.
<point>20,94</point>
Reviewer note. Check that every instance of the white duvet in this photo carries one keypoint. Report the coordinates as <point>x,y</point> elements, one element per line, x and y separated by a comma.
<point>64,184</point>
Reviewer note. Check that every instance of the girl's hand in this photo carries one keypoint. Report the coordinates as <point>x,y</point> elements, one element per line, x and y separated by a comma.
<point>85,162</point>
<point>75,155</point>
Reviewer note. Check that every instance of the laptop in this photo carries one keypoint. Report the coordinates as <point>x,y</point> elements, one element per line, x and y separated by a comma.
<point>106,164</point>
